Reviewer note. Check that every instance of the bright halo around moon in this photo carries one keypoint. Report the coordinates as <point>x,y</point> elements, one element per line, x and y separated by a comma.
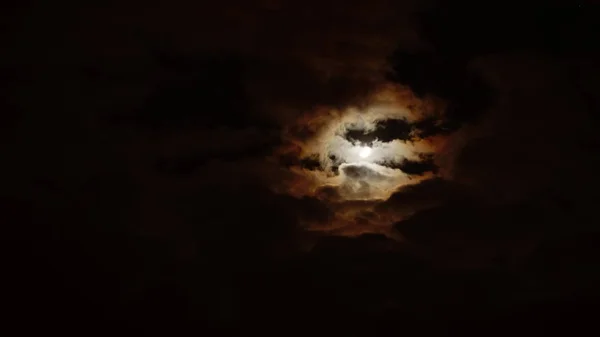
<point>364,152</point>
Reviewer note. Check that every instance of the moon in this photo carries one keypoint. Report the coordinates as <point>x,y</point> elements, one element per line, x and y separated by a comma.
<point>364,152</point>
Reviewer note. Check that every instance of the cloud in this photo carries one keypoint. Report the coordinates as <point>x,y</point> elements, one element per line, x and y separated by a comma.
<point>426,194</point>
<point>264,78</point>
<point>197,153</point>
<point>325,135</point>
<point>246,219</point>
<point>307,91</point>
<point>361,245</point>
<point>475,235</point>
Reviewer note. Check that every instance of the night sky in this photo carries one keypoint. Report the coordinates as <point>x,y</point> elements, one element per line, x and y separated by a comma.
<point>355,168</point>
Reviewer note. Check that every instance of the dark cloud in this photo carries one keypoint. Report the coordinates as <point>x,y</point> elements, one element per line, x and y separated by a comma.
<point>155,170</point>
<point>420,197</point>
<point>330,193</point>
<point>366,243</point>
<point>569,260</point>
<point>467,94</point>
<point>427,190</point>
<point>310,163</point>
<point>387,130</point>
<point>189,163</point>
<point>401,129</point>
<point>532,26</point>
<point>478,222</point>
<point>415,167</point>
<point>446,70</point>
<point>207,91</point>
<point>461,236</point>
<point>358,172</point>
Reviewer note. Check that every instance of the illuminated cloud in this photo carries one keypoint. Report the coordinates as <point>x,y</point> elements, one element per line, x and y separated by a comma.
<point>362,170</point>
<point>338,158</point>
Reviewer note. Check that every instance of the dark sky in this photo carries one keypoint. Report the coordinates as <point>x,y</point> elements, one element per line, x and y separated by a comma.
<point>161,167</point>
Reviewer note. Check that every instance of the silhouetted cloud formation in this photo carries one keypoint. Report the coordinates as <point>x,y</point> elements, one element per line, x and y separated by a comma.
<point>175,164</point>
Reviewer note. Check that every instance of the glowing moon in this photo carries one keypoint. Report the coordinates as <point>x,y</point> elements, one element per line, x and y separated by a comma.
<point>364,152</point>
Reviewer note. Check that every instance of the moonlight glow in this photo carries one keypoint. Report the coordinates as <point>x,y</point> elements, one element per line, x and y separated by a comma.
<point>353,167</point>
<point>364,152</point>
